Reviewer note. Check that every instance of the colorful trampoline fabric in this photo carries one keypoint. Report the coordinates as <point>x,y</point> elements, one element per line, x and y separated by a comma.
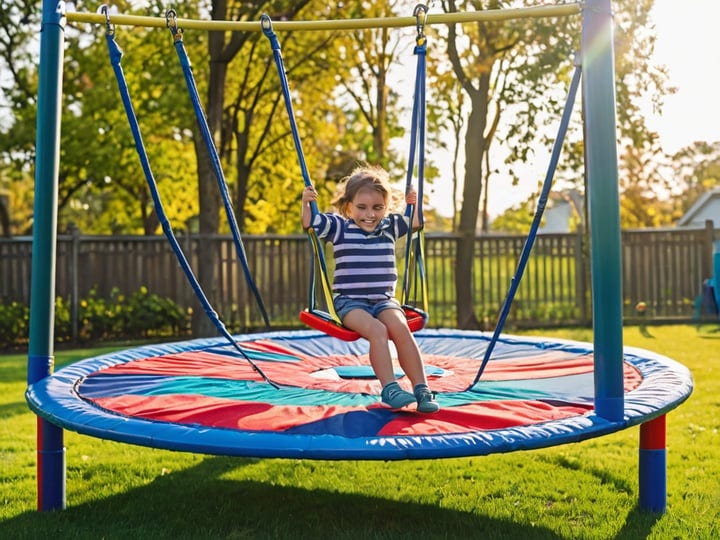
<point>202,396</point>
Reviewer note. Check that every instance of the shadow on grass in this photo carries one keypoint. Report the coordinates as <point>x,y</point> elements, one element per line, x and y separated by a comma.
<point>198,503</point>
<point>708,331</point>
<point>16,408</point>
<point>603,475</point>
<point>639,524</point>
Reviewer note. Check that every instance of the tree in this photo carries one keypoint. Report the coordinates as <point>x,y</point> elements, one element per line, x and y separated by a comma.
<point>223,47</point>
<point>100,187</point>
<point>100,167</point>
<point>516,66</point>
<point>517,220</point>
<point>645,200</point>
<point>370,53</point>
<point>17,98</point>
<point>256,136</point>
<point>4,215</point>
<point>695,169</point>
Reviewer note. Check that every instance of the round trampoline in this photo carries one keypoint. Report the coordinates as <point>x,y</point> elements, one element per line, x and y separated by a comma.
<point>202,396</point>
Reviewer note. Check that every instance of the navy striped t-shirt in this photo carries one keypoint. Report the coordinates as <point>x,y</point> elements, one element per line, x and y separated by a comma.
<point>364,261</point>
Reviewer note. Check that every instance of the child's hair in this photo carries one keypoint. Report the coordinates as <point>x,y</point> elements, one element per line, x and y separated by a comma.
<point>363,177</point>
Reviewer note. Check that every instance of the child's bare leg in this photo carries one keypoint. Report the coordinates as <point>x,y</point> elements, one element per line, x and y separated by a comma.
<point>407,348</point>
<point>410,358</point>
<point>377,335</point>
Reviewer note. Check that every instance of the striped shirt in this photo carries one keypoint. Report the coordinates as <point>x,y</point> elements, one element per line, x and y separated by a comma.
<point>365,264</point>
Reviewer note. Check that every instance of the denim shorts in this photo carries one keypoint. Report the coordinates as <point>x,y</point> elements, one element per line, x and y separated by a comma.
<point>345,304</point>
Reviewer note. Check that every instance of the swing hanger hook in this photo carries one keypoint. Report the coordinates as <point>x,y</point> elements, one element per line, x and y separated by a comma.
<point>109,27</point>
<point>171,22</point>
<point>266,24</point>
<point>420,13</point>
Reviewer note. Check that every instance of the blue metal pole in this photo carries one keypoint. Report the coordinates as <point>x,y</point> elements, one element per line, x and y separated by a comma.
<point>50,448</point>
<point>603,205</point>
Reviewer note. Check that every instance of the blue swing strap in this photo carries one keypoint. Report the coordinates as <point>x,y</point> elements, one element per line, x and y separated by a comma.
<point>415,246</point>
<point>328,321</point>
<point>177,33</point>
<point>318,263</point>
<point>542,201</point>
<point>115,54</point>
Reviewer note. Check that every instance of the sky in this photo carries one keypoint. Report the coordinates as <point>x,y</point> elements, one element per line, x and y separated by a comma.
<point>688,44</point>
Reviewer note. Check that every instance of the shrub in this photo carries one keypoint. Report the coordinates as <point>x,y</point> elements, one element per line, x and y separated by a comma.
<point>150,314</point>
<point>14,324</point>
<point>141,314</point>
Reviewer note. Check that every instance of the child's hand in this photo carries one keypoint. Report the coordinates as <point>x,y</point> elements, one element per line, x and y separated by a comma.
<point>309,194</point>
<point>411,197</point>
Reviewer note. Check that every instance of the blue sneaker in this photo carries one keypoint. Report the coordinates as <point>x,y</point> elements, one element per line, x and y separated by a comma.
<point>396,397</point>
<point>425,400</point>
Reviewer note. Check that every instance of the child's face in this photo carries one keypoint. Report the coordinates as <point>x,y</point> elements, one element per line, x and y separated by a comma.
<point>367,208</point>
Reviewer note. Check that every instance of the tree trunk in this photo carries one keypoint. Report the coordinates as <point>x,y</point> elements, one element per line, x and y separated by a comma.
<point>207,256</point>
<point>209,197</point>
<point>474,152</point>
<point>5,215</point>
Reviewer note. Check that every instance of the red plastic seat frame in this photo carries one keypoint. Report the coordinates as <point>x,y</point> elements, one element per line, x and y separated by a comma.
<point>416,320</point>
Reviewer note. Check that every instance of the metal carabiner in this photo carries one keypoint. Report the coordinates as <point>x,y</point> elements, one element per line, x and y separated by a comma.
<point>109,27</point>
<point>171,23</point>
<point>420,13</point>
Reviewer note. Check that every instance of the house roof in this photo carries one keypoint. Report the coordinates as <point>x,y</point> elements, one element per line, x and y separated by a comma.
<point>701,204</point>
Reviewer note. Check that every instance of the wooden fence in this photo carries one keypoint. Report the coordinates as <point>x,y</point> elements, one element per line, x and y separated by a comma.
<point>664,268</point>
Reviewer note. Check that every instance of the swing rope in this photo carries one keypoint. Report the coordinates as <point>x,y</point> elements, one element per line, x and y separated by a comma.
<point>542,201</point>
<point>329,322</point>
<point>177,33</point>
<point>318,263</point>
<point>415,247</point>
<point>115,54</point>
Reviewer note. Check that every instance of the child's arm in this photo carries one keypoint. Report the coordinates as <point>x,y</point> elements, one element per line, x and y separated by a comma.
<point>309,195</point>
<point>411,198</point>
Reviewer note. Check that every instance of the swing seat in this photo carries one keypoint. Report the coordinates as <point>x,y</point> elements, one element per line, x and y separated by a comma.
<point>322,321</point>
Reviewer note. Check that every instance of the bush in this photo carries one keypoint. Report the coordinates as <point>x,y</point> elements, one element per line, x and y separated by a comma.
<point>151,314</point>
<point>141,314</point>
<point>14,324</point>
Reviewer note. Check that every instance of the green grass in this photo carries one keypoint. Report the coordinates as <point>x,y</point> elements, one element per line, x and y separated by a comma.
<point>587,490</point>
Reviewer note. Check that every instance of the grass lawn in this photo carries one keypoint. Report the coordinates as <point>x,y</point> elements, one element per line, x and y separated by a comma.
<point>580,491</point>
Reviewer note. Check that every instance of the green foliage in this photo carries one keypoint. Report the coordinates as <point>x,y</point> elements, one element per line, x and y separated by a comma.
<point>147,314</point>
<point>139,315</point>
<point>103,188</point>
<point>695,170</point>
<point>516,220</point>
<point>101,185</point>
<point>14,319</point>
<point>347,110</point>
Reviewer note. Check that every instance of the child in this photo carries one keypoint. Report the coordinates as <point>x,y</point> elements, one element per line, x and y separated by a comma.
<point>363,237</point>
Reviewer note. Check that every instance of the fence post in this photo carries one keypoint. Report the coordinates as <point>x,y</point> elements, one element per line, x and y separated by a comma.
<point>581,292</point>
<point>707,258</point>
<point>74,288</point>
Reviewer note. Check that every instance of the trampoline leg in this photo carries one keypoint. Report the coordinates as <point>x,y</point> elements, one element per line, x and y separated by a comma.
<point>50,467</point>
<point>653,467</point>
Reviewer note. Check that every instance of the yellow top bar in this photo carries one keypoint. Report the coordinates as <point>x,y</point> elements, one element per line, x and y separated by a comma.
<point>562,10</point>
